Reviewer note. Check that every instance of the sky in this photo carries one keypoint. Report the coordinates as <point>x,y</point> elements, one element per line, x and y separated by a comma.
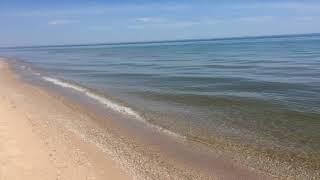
<point>43,22</point>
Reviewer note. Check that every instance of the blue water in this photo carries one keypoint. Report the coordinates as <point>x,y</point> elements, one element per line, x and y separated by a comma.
<point>262,92</point>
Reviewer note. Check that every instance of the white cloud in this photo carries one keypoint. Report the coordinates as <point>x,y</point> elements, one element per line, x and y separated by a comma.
<point>306,18</point>
<point>165,24</point>
<point>100,28</point>
<point>101,9</point>
<point>276,6</point>
<point>62,22</point>
<point>150,19</point>
<point>255,18</point>
<point>147,22</point>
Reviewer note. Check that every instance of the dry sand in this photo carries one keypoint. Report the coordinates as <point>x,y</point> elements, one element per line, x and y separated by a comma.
<point>34,146</point>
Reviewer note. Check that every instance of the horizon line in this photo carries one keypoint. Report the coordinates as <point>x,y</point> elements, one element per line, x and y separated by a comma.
<point>164,41</point>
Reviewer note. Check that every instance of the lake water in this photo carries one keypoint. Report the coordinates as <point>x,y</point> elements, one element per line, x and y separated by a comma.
<point>262,92</point>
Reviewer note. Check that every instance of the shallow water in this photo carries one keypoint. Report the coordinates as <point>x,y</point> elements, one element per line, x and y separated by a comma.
<point>258,92</point>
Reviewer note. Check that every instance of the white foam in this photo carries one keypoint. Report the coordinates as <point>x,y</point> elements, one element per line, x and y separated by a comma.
<point>112,105</point>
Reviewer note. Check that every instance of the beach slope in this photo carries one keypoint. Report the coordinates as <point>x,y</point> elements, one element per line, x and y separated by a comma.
<point>34,146</point>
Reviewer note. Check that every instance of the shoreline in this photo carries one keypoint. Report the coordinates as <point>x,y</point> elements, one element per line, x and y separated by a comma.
<point>66,118</point>
<point>35,147</point>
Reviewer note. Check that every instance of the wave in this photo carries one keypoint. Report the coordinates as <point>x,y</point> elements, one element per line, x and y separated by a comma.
<point>110,104</point>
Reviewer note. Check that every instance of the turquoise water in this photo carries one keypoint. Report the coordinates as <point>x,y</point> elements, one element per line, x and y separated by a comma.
<point>262,92</point>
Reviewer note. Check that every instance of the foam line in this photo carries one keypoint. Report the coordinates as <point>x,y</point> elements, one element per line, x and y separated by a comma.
<point>112,105</point>
<point>108,103</point>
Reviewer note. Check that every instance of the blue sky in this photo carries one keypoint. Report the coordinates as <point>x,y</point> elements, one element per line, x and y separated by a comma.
<point>36,22</point>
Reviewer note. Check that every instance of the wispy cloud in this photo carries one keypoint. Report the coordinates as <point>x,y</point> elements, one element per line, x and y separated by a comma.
<point>306,18</point>
<point>296,6</point>
<point>92,10</point>
<point>62,22</point>
<point>256,19</point>
<point>165,24</point>
<point>100,28</point>
<point>150,19</point>
<point>148,22</point>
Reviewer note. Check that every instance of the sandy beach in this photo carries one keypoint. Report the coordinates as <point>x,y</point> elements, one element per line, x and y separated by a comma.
<point>33,146</point>
<point>166,90</point>
<point>42,136</point>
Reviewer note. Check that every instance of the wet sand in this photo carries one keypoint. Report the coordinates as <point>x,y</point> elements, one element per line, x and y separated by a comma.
<point>45,136</point>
